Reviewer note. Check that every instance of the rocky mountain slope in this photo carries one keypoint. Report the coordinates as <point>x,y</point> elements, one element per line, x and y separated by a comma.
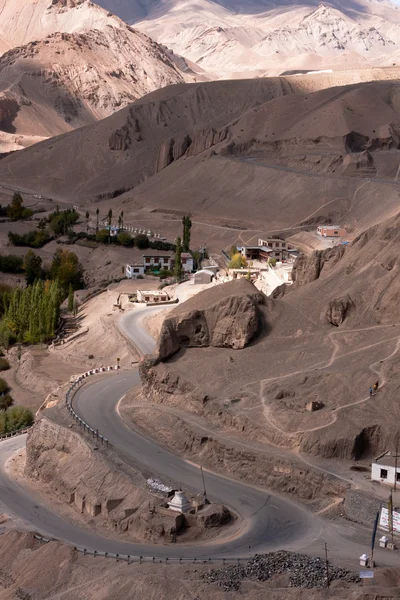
<point>192,147</point>
<point>232,39</point>
<point>333,334</point>
<point>70,64</point>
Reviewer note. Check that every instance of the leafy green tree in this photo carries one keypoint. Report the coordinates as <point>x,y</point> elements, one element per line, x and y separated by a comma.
<point>272,261</point>
<point>15,209</point>
<point>18,417</point>
<point>33,267</point>
<point>97,219</point>
<point>187,226</point>
<point>102,236</point>
<point>178,269</point>
<point>4,387</point>
<point>67,269</point>
<point>125,239</point>
<point>62,221</point>
<point>42,224</point>
<point>142,241</point>
<point>70,298</point>
<point>237,262</point>
<point>6,401</point>
<point>109,220</point>
<point>87,216</point>
<point>9,263</point>
<point>233,251</point>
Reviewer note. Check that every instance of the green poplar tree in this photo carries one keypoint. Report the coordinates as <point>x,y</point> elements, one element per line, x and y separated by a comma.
<point>187,225</point>
<point>70,299</point>
<point>178,269</point>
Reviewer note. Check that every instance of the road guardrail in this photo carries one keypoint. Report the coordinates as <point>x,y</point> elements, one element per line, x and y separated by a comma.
<point>166,560</point>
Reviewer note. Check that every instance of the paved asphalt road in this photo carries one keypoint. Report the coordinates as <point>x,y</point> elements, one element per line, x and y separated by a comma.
<point>271,522</point>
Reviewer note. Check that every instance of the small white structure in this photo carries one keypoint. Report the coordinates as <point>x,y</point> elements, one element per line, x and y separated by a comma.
<point>180,503</point>
<point>364,560</point>
<point>202,277</point>
<point>134,270</point>
<point>187,262</point>
<point>152,296</point>
<point>386,469</point>
<point>383,541</point>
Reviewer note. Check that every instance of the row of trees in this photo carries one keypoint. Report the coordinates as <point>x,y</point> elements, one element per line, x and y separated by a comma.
<point>60,222</point>
<point>32,239</point>
<point>31,315</point>
<point>65,268</point>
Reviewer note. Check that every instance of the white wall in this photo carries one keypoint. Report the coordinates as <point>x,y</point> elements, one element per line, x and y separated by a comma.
<point>376,473</point>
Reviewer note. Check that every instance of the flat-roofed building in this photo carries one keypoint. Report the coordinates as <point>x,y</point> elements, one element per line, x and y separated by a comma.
<point>152,296</point>
<point>331,231</point>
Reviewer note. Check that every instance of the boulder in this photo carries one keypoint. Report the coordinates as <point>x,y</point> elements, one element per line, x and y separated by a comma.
<point>226,316</point>
<point>338,309</point>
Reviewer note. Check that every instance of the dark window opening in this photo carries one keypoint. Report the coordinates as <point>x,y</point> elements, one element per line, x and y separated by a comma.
<point>384,473</point>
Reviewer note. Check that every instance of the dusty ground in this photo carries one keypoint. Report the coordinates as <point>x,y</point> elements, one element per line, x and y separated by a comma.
<point>55,572</point>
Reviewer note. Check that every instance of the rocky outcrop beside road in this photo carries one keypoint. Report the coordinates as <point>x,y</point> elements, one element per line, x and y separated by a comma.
<point>309,268</point>
<point>81,477</point>
<point>226,316</point>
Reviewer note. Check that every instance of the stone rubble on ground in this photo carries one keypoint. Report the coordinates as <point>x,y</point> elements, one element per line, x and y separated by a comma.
<point>303,571</point>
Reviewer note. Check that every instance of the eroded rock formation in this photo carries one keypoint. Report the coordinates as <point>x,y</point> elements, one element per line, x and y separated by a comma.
<point>226,316</point>
<point>338,309</point>
<point>308,268</point>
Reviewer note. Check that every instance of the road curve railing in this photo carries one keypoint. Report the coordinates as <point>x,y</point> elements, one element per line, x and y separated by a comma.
<point>166,560</point>
<point>6,436</point>
<point>79,381</point>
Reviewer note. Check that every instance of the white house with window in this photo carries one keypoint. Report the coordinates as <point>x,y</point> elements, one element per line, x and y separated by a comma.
<point>187,262</point>
<point>386,469</point>
<point>133,271</point>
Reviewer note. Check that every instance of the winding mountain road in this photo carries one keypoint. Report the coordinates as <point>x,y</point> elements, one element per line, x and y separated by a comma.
<point>269,521</point>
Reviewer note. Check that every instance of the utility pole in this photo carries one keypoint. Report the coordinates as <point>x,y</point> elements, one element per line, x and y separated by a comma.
<point>390,516</point>
<point>395,462</point>
<point>327,565</point>
<point>204,485</point>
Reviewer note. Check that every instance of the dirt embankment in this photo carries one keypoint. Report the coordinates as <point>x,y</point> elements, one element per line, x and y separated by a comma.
<point>34,571</point>
<point>225,452</point>
<point>91,484</point>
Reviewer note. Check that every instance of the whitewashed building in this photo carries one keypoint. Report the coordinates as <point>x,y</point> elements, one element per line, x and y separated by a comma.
<point>187,262</point>
<point>152,296</point>
<point>386,469</point>
<point>133,271</point>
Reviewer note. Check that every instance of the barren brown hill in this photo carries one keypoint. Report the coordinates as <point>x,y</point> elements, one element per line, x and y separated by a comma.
<point>267,153</point>
<point>72,64</point>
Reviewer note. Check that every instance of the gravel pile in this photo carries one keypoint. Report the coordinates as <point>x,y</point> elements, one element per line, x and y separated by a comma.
<point>303,571</point>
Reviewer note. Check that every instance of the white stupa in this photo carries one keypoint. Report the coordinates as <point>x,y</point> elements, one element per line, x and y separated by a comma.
<point>180,503</point>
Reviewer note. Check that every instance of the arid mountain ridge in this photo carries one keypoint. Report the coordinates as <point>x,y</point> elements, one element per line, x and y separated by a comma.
<point>231,39</point>
<point>68,64</point>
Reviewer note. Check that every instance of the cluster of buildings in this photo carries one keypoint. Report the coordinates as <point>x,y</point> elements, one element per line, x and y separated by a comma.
<point>158,258</point>
<point>274,247</point>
